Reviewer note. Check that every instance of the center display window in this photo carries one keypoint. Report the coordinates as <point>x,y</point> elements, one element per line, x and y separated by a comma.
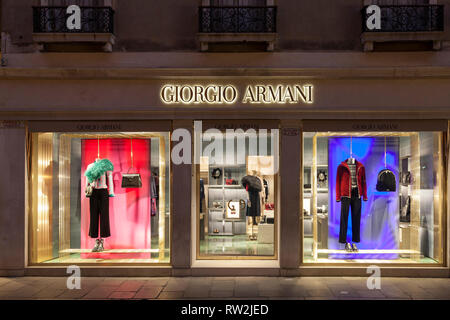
<point>99,198</point>
<point>237,194</point>
<point>373,197</point>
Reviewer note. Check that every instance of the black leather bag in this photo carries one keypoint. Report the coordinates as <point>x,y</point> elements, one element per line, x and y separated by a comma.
<point>386,181</point>
<point>131,180</point>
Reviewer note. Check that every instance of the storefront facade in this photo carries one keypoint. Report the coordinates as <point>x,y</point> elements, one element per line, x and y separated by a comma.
<point>243,161</point>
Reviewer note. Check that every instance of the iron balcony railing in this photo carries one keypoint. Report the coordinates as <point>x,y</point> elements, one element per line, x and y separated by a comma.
<point>413,18</point>
<point>54,20</point>
<point>238,19</point>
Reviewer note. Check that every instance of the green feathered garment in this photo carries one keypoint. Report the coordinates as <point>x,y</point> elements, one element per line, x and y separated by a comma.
<point>98,169</point>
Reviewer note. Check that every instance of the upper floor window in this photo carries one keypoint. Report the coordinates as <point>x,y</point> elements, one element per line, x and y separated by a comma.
<point>237,22</point>
<point>402,25</point>
<point>63,26</point>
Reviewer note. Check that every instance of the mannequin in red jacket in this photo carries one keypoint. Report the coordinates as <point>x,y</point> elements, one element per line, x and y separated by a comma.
<point>350,188</point>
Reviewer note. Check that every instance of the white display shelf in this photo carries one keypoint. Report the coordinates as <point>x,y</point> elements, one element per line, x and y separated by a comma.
<point>320,190</point>
<point>238,186</point>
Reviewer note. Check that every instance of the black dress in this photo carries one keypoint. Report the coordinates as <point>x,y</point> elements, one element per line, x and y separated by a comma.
<point>253,186</point>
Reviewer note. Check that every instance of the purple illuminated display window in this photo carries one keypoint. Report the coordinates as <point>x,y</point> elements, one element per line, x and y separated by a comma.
<point>379,215</point>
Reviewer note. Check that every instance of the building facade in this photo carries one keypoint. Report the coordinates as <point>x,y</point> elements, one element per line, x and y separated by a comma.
<point>244,137</point>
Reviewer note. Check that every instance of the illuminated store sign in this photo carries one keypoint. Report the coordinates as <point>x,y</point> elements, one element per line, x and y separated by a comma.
<point>229,94</point>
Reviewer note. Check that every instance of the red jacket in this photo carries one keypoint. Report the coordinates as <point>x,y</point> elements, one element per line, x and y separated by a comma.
<point>344,181</point>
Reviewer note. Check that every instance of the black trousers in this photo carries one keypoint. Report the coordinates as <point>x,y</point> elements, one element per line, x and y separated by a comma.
<point>355,204</point>
<point>99,207</point>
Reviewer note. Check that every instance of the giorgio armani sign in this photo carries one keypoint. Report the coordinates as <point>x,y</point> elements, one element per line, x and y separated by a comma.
<point>229,94</point>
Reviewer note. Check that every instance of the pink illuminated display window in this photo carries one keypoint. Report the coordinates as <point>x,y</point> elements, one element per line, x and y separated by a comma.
<point>130,208</point>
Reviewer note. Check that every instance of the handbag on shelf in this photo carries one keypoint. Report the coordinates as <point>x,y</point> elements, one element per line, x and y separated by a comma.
<point>230,182</point>
<point>217,204</point>
<point>131,180</point>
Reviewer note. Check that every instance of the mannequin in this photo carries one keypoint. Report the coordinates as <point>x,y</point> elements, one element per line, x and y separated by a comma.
<point>262,193</point>
<point>99,176</point>
<point>350,188</point>
<point>255,190</point>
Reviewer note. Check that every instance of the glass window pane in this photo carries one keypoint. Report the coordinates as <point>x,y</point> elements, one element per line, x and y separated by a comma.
<point>126,217</point>
<point>237,182</point>
<point>373,197</point>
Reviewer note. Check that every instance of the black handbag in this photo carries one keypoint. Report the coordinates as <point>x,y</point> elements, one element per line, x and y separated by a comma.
<point>386,178</point>
<point>386,181</point>
<point>131,180</point>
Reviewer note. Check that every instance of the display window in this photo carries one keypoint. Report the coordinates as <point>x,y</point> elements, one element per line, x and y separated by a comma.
<point>237,193</point>
<point>99,198</point>
<point>373,197</point>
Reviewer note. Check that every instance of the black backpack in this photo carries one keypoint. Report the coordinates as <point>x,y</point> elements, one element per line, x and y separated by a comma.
<point>386,181</point>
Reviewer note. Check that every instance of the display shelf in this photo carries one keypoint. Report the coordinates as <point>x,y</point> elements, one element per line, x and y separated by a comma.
<point>406,261</point>
<point>320,190</point>
<point>104,261</point>
<point>113,251</point>
<point>225,186</point>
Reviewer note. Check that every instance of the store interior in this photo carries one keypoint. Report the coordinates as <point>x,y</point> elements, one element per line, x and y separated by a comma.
<point>237,202</point>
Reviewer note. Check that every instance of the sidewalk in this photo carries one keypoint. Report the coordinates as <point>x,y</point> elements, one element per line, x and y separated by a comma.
<point>224,288</point>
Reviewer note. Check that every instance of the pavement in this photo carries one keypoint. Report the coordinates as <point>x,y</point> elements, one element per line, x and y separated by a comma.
<point>224,288</point>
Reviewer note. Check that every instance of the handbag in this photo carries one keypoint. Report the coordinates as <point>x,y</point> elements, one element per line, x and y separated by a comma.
<point>386,178</point>
<point>386,181</point>
<point>131,180</point>
<point>230,182</point>
<point>89,190</point>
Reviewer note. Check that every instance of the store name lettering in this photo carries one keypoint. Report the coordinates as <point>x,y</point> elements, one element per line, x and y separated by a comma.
<point>228,94</point>
<point>370,126</point>
<point>96,127</point>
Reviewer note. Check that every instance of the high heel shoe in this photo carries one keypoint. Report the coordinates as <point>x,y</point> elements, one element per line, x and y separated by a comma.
<point>348,247</point>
